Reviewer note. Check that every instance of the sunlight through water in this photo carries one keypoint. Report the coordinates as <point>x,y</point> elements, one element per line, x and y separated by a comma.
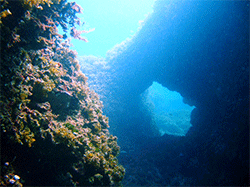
<point>114,21</point>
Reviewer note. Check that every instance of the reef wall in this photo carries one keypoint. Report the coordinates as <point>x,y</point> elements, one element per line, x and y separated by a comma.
<point>53,131</point>
<point>201,50</point>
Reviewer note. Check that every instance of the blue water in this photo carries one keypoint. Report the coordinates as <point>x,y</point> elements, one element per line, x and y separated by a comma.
<point>170,115</point>
<point>193,52</point>
<point>114,22</point>
<point>176,94</point>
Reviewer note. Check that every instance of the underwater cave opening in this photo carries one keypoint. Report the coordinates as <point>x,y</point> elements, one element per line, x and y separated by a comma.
<point>168,112</point>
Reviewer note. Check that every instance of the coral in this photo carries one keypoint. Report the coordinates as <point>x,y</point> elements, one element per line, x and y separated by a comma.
<point>5,13</point>
<point>38,2</point>
<point>47,108</point>
<point>27,135</point>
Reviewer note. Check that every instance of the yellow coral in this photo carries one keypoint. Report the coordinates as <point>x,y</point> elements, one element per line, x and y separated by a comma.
<point>36,3</point>
<point>25,135</point>
<point>48,84</point>
<point>5,13</point>
<point>30,141</point>
<point>55,69</point>
<point>23,96</point>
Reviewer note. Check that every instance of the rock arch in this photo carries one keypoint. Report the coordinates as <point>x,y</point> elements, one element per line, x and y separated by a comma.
<point>199,49</point>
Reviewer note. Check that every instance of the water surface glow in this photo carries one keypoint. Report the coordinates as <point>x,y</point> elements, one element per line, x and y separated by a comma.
<point>114,21</point>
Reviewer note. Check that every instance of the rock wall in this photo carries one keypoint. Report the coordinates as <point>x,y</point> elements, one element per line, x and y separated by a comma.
<point>201,50</point>
<point>53,131</point>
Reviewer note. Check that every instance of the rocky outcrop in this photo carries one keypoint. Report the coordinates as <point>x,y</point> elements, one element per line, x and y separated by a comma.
<point>53,131</point>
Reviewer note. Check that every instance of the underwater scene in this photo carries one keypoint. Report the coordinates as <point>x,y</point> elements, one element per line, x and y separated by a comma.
<point>164,102</point>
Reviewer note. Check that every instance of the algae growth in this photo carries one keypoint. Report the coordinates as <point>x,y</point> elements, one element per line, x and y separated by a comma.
<point>50,120</point>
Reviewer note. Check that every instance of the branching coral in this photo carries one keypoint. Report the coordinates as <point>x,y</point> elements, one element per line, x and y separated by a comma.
<point>45,97</point>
